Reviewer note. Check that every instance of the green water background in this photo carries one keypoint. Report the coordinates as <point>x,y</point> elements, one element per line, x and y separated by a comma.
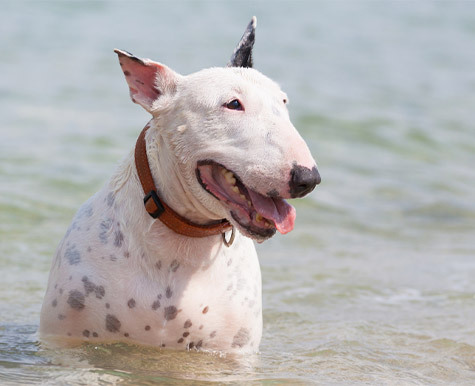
<point>376,284</point>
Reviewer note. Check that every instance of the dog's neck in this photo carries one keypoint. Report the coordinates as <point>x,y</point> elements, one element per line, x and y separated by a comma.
<point>151,236</point>
<point>171,182</point>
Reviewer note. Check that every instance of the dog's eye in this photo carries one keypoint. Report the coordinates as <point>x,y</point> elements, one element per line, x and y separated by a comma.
<point>285,101</point>
<point>234,105</point>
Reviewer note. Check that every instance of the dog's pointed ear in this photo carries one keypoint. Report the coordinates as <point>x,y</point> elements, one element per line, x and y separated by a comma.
<point>242,55</point>
<point>147,80</point>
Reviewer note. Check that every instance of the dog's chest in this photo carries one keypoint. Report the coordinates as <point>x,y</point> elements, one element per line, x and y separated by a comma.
<point>103,289</point>
<point>209,310</point>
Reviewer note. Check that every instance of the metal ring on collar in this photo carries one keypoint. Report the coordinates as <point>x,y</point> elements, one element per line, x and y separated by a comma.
<point>231,239</point>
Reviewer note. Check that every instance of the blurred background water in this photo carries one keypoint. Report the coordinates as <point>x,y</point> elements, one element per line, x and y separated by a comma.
<point>376,284</point>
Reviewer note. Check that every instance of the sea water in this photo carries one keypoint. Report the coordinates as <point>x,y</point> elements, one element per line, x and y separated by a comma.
<point>376,284</point>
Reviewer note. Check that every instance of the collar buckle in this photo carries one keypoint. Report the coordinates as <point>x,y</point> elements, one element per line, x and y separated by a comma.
<point>154,207</point>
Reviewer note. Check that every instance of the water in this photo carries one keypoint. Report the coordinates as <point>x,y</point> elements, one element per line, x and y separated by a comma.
<point>376,282</point>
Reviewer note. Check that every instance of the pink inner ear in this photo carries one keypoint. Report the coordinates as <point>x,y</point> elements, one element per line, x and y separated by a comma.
<point>141,77</point>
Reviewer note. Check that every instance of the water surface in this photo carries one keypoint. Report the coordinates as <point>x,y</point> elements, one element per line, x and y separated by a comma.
<point>376,284</point>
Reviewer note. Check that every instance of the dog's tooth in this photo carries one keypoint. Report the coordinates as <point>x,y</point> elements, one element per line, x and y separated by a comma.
<point>249,203</point>
<point>229,177</point>
<point>235,189</point>
<point>259,217</point>
<point>242,196</point>
<point>223,171</point>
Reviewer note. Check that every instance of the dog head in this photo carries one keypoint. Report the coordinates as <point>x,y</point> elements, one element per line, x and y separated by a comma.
<point>231,137</point>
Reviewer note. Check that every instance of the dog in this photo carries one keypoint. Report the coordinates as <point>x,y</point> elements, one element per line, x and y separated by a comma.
<point>163,255</point>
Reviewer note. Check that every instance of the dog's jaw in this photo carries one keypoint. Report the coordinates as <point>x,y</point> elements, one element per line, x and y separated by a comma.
<point>257,216</point>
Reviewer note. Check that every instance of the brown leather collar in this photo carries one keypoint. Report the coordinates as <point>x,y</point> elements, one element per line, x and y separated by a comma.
<point>158,209</point>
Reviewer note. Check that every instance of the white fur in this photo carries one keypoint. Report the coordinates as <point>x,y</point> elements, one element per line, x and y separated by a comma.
<point>114,251</point>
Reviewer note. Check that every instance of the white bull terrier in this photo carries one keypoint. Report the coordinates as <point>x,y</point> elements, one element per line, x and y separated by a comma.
<point>219,154</point>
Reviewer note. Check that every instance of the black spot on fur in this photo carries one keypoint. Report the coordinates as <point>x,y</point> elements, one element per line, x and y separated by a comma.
<point>174,265</point>
<point>126,334</point>
<point>241,338</point>
<point>170,312</point>
<point>89,287</point>
<point>100,292</point>
<point>199,344</point>
<point>185,334</point>
<point>147,328</point>
<point>76,300</point>
<point>169,293</point>
<point>54,303</point>
<point>156,305</point>
<point>180,340</point>
<point>61,316</point>
<point>191,345</point>
<point>86,333</point>
<point>119,239</point>
<point>273,193</point>
<point>205,310</point>
<point>188,324</point>
<point>95,335</point>
<point>112,323</point>
<point>213,334</point>
<point>159,264</point>
<point>131,303</point>
<point>105,227</point>
<point>72,255</point>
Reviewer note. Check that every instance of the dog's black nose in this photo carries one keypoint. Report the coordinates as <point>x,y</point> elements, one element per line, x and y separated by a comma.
<point>303,180</point>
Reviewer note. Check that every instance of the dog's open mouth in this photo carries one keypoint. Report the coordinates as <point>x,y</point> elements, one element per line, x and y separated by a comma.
<point>258,215</point>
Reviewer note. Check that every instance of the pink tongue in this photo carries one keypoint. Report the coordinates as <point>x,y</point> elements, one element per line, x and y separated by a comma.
<point>275,209</point>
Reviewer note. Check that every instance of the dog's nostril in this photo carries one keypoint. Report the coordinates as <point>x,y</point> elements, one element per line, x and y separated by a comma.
<point>303,180</point>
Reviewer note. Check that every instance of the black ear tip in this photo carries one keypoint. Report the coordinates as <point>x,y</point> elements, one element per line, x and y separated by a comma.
<point>128,55</point>
<point>242,55</point>
<point>122,52</point>
<point>251,28</point>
